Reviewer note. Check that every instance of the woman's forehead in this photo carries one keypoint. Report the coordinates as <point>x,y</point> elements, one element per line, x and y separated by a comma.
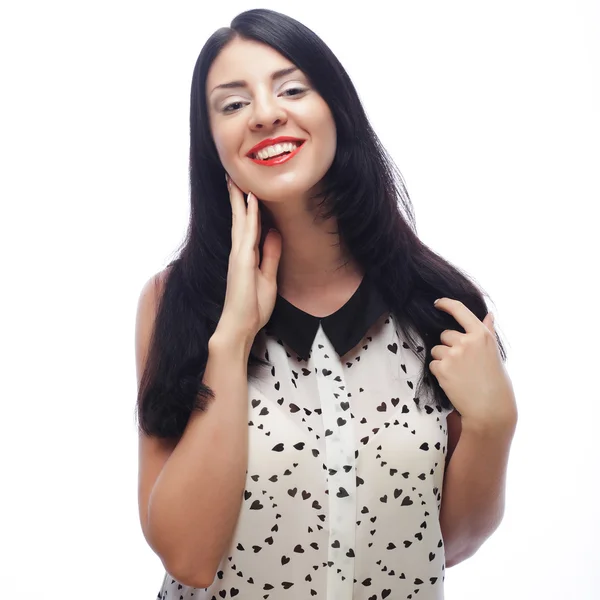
<point>247,61</point>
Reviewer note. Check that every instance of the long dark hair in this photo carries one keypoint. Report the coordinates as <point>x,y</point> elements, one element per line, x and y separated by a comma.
<point>363,190</point>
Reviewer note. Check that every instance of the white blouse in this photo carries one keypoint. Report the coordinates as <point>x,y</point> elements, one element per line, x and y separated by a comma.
<point>345,468</point>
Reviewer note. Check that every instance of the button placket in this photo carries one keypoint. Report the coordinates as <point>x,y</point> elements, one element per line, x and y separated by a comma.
<point>339,454</point>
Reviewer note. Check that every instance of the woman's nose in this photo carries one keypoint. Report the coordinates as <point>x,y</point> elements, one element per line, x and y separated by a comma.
<point>267,113</point>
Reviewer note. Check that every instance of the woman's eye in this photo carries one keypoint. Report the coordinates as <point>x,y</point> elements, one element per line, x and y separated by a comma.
<point>225,109</point>
<point>230,105</point>
<point>298,90</point>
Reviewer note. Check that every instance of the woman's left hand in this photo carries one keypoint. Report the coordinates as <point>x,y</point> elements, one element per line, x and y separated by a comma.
<point>469,368</point>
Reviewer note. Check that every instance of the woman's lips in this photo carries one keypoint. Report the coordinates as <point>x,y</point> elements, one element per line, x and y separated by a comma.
<point>277,160</point>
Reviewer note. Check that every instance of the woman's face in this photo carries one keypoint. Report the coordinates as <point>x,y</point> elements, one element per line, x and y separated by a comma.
<point>259,104</point>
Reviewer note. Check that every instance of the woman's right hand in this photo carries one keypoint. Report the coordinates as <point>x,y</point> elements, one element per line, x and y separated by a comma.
<point>251,289</point>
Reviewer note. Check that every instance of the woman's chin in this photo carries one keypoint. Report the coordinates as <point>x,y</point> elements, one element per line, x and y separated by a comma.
<point>280,191</point>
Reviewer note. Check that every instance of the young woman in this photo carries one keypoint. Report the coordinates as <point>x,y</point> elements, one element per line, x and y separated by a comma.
<point>293,442</point>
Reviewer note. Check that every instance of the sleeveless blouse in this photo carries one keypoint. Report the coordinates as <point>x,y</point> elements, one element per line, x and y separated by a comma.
<point>345,466</point>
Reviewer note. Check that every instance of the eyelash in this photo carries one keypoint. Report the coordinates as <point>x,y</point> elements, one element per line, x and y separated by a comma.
<point>300,90</point>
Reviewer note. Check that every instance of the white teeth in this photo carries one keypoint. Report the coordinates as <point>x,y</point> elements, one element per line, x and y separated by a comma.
<point>276,149</point>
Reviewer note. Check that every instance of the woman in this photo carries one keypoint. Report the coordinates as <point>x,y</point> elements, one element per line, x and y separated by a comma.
<point>292,444</point>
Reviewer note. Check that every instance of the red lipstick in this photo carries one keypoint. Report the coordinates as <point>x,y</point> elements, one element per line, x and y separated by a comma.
<point>271,141</point>
<point>276,160</point>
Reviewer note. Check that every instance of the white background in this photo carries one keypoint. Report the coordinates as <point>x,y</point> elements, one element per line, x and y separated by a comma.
<point>492,113</point>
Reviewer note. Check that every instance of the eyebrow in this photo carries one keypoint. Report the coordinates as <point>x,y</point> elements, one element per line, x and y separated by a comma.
<point>241,84</point>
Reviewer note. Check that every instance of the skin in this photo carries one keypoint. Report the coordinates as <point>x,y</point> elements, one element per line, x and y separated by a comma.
<point>309,272</point>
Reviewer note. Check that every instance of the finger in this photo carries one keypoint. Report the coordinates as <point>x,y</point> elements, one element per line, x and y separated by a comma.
<point>238,214</point>
<point>259,222</point>
<point>251,225</point>
<point>271,255</point>
<point>257,242</point>
<point>258,232</point>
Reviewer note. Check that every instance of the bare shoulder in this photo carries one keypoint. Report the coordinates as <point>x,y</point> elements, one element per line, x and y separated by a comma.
<point>152,289</point>
<point>148,301</point>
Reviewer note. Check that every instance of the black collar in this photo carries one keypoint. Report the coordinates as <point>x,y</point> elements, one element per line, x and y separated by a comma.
<point>344,328</point>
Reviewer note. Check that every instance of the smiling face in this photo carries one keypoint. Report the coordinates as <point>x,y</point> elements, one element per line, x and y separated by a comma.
<point>265,98</point>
